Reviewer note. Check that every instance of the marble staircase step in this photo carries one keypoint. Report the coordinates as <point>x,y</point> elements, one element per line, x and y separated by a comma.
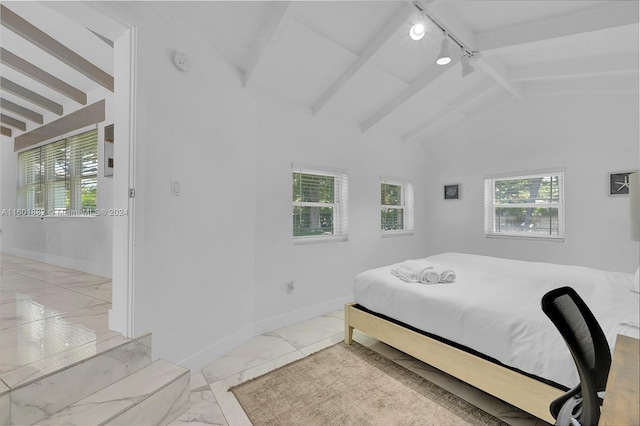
<point>154,395</point>
<point>52,386</point>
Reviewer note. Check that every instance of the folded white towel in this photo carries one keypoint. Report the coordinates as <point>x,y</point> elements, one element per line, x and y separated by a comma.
<point>405,275</point>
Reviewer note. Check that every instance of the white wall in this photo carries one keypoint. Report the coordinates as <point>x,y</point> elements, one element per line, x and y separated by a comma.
<point>83,244</point>
<point>194,252</point>
<point>588,135</point>
<point>323,273</point>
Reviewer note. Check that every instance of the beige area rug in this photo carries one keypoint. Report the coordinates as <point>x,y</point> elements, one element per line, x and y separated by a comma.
<point>352,385</point>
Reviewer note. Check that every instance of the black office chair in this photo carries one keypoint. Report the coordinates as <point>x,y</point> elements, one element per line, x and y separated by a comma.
<point>591,354</point>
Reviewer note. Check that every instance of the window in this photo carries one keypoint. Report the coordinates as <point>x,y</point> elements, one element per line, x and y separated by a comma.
<point>319,205</point>
<point>59,178</point>
<point>525,206</point>
<point>396,206</point>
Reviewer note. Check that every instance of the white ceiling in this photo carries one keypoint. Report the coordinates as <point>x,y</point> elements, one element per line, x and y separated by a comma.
<point>354,60</point>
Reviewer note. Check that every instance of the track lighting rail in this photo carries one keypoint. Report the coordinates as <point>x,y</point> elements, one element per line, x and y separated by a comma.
<point>424,12</point>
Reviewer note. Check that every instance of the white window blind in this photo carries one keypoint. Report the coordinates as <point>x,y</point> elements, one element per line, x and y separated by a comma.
<point>396,206</point>
<point>525,206</point>
<point>59,178</point>
<point>320,205</point>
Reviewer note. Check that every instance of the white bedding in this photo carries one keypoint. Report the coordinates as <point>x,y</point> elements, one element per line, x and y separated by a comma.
<point>494,308</point>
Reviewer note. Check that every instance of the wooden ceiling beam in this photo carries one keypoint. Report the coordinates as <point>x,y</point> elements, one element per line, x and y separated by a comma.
<point>539,33</point>
<point>610,65</point>
<point>21,111</point>
<point>497,71</point>
<point>464,100</point>
<point>426,78</point>
<point>44,41</point>
<point>30,96</point>
<point>10,121</point>
<point>91,114</point>
<point>28,69</point>
<point>380,39</point>
<point>271,37</point>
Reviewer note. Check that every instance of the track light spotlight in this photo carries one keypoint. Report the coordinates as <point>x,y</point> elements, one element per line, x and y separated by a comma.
<point>466,66</point>
<point>418,30</point>
<point>444,57</point>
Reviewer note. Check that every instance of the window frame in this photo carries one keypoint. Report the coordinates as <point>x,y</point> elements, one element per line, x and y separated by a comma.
<point>39,173</point>
<point>491,206</point>
<point>340,205</point>
<point>407,205</point>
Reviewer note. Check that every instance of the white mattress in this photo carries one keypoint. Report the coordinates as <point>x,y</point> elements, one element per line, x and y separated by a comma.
<point>494,307</point>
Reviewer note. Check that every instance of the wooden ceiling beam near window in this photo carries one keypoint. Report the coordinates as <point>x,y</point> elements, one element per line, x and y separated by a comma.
<point>44,41</point>
<point>28,69</point>
<point>30,96</point>
<point>10,121</point>
<point>22,111</point>
<point>4,131</point>
<point>92,114</point>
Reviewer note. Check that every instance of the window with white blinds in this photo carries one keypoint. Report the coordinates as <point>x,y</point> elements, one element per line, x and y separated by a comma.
<point>320,205</point>
<point>525,206</point>
<point>59,178</point>
<point>396,206</point>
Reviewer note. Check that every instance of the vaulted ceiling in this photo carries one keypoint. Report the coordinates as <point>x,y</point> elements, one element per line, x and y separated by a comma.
<point>354,60</point>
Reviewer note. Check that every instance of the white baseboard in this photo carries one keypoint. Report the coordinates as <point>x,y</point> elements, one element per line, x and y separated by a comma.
<point>289,318</point>
<point>65,262</point>
<point>206,356</point>
<point>223,346</point>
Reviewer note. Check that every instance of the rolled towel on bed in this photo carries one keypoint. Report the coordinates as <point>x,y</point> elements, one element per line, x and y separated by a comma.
<point>447,276</point>
<point>419,267</point>
<point>430,277</point>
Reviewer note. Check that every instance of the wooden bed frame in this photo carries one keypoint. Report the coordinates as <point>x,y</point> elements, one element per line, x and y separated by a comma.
<point>526,393</point>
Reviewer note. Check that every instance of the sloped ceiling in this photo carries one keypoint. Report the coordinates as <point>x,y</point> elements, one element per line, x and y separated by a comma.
<point>354,60</point>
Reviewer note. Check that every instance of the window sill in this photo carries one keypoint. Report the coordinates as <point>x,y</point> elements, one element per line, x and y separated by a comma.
<point>388,234</point>
<point>526,237</point>
<point>319,240</point>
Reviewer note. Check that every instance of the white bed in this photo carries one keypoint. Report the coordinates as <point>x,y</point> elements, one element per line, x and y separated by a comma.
<point>493,307</point>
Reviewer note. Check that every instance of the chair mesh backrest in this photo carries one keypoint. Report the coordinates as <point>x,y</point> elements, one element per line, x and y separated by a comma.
<point>586,341</point>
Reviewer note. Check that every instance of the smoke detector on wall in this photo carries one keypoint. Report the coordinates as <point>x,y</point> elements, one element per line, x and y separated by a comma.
<point>181,61</point>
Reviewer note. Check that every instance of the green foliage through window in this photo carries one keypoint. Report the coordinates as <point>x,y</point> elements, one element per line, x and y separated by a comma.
<point>527,205</point>
<point>60,178</point>
<point>314,198</point>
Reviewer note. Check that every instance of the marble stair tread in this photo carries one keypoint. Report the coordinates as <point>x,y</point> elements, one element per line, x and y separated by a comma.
<point>5,405</point>
<point>41,368</point>
<point>33,401</point>
<point>118,399</point>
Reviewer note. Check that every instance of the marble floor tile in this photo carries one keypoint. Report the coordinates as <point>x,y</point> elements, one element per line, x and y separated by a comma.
<point>100,291</point>
<point>42,307</point>
<point>72,281</point>
<point>204,408</point>
<point>49,395</point>
<point>5,405</point>
<point>15,292</point>
<point>62,360</point>
<point>323,344</point>
<point>314,330</point>
<point>34,341</point>
<point>258,350</point>
<point>232,410</point>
